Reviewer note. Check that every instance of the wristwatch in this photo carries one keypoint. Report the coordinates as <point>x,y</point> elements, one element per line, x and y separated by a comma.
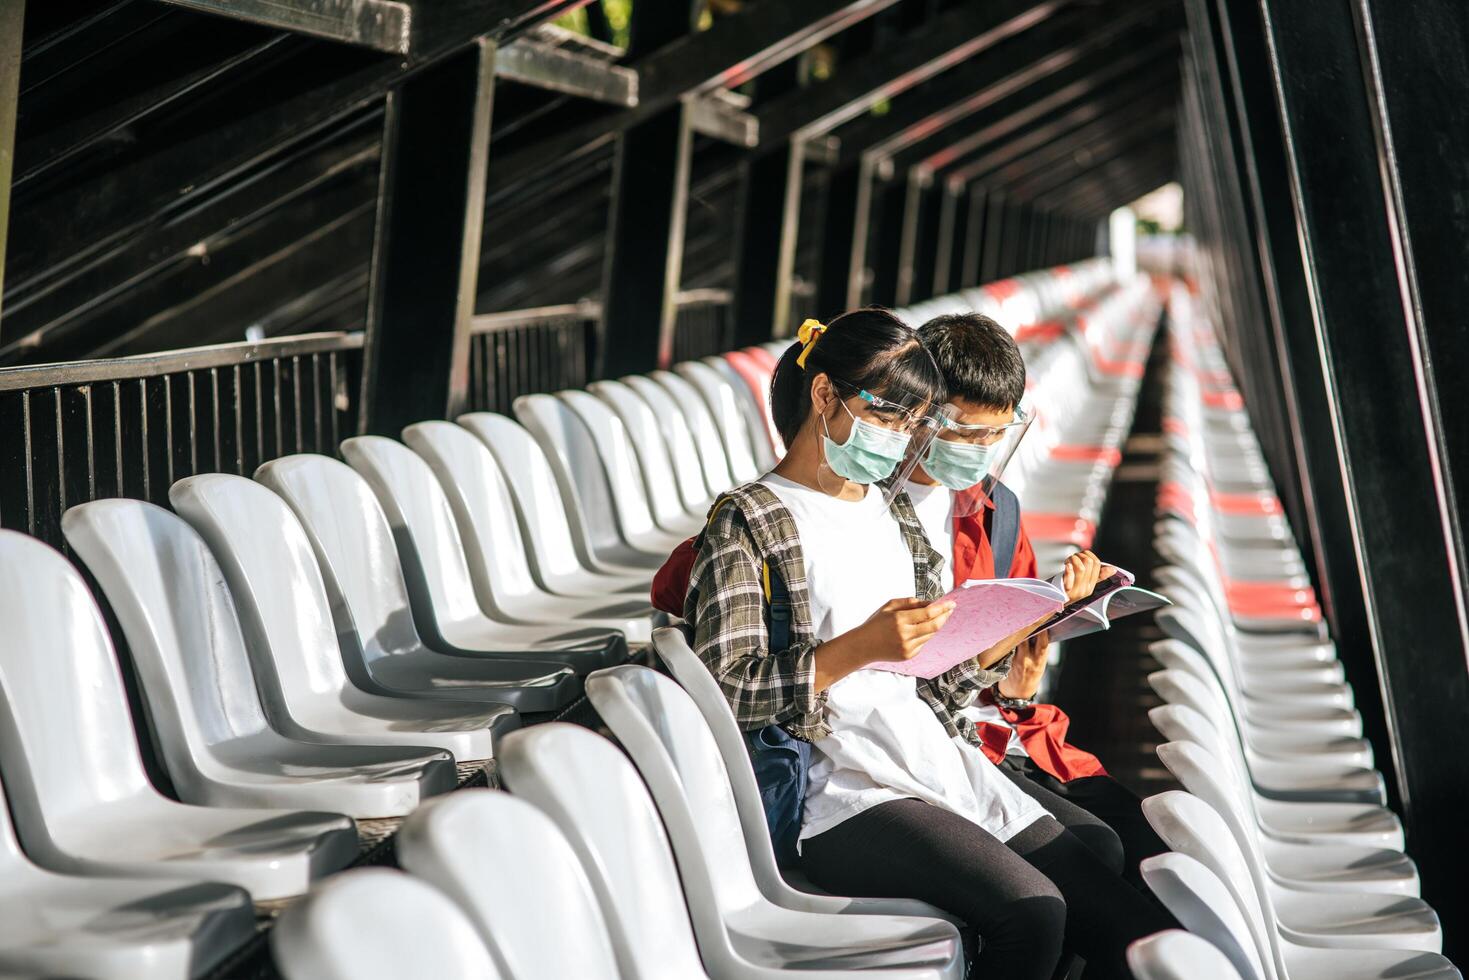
<point>1013,704</point>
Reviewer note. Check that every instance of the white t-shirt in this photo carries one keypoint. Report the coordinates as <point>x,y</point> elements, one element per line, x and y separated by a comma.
<point>935,508</point>
<point>886,743</point>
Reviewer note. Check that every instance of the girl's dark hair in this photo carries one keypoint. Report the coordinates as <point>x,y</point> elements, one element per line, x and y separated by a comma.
<point>865,349</point>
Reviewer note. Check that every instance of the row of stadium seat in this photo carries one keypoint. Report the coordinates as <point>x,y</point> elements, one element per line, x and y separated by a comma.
<point>671,843</point>
<point>325,642</point>
<point>1285,864</point>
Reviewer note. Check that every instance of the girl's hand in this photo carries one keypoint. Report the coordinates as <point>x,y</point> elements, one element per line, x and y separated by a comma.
<point>896,632</point>
<point>1026,670</point>
<point>1081,573</point>
<point>900,628</point>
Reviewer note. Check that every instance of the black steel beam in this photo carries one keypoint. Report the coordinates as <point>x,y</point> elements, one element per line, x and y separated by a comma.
<point>1014,139</point>
<point>765,249</point>
<point>1114,182</point>
<point>919,239</point>
<point>12,19</point>
<point>1419,93</point>
<point>1376,382</point>
<point>974,232</point>
<point>436,142</point>
<point>1036,177</point>
<point>942,43</point>
<point>1047,68</point>
<point>383,25</point>
<point>732,51</point>
<point>549,59</point>
<point>949,244</point>
<point>840,232</point>
<point>1036,104</point>
<point>645,231</point>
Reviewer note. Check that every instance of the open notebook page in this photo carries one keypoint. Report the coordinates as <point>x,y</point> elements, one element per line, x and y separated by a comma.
<point>986,611</point>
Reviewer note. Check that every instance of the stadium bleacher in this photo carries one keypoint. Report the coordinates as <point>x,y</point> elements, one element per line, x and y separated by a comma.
<point>336,636</point>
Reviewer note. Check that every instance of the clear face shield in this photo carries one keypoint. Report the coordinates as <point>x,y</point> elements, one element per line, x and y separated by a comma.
<point>969,452</point>
<point>876,439</point>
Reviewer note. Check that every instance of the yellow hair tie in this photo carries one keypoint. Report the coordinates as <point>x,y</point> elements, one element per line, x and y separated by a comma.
<point>810,332</point>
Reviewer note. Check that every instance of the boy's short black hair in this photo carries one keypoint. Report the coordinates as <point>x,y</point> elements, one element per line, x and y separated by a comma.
<point>981,363</point>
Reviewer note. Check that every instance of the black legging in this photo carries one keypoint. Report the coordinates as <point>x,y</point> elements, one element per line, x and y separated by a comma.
<point>1025,898</point>
<point>1104,814</point>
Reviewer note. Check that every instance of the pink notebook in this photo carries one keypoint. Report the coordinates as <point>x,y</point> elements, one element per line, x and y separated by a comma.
<point>987,611</point>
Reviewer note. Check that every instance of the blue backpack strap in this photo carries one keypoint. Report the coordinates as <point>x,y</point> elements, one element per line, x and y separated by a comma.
<point>1004,528</point>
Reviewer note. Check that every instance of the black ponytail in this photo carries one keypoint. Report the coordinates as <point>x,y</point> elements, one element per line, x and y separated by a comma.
<point>869,349</point>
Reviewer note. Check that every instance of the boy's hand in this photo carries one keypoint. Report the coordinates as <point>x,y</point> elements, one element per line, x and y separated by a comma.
<point>1026,670</point>
<point>1081,573</point>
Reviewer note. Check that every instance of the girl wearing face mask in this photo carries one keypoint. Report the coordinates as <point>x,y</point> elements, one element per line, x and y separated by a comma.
<point>901,801</point>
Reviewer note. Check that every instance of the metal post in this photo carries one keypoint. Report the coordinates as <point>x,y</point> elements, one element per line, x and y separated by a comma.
<point>1377,392</point>
<point>766,252</point>
<point>12,19</point>
<point>917,239</point>
<point>949,248</point>
<point>887,256</point>
<point>974,232</point>
<point>994,234</point>
<point>838,237</point>
<point>645,233</point>
<point>425,262</point>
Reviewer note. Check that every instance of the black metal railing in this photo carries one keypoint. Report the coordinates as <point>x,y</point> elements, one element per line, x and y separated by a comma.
<point>703,325</point>
<point>131,426</point>
<point>524,352</point>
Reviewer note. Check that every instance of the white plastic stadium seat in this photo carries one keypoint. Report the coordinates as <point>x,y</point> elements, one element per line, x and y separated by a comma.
<point>505,864</point>
<point>593,795</point>
<point>377,924</point>
<point>561,558</point>
<point>364,580</point>
<point>189,652</point>
<point>678,439</point>
<point>272,573</point>
<point>485,512</point>
<point>661,728</point>
<point>704,431</point>
<point>673,649</point>
<point>1178,955</point>
<point>81,799</point>
<point>66,926</point>
<point>720,397</point>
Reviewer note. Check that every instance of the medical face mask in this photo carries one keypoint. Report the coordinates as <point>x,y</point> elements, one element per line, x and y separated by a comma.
<point>957,465</point>
<point>870,454</point>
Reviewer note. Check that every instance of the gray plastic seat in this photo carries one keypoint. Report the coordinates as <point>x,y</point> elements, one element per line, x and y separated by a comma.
<point>81,799</point>
<point>1287,820</point>
<point>599,453</point>
<point>378,924</point>
<point>1282,868</point>
<point>572,455</point>
<point>1178,955</point>
<point>507,866</point>
<point>1242,927</point>
<point>561,559</point>
<point>272,573</point>
<point>364,580</point>
<point>702,428</point>
<point>448,607</point>
<point>673,649</point>
<point>498,565</point>
<point>738,928</point>
<point>69,926</point>
<point>757,428</point>
<point>664,480</point>
<point>594,796</point>
<point>678,439</point>
<point>722,400</point>
<point>189,653</point>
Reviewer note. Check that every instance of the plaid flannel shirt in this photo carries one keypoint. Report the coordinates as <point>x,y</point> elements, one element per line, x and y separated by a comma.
<point>748,528</point>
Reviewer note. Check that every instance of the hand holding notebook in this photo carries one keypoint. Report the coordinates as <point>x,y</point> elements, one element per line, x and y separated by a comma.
<point>987,611</point>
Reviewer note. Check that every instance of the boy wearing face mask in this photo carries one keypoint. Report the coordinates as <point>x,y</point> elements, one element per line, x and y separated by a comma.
<point>985,378</point>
